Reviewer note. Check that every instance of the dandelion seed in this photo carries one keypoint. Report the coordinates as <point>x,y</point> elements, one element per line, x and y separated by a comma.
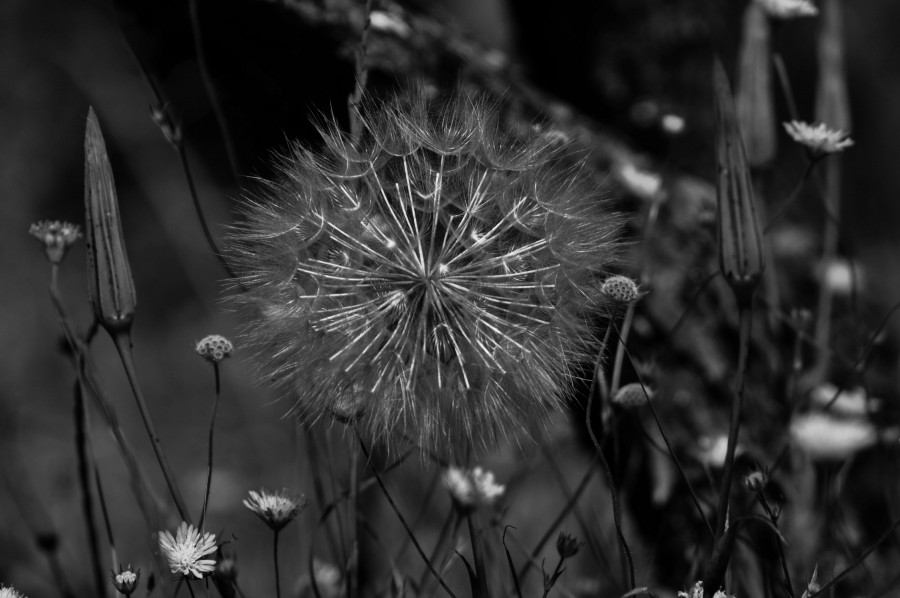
<point>56,236</point>
<point>820,139</point>
<point>185,551</point>
<point>440,274</point>
<point>126,580</point>
<point>472,488</point>
<point>214,348</point>
<point>8,592</point>
<point>788,9</point>
<point>276,509</point>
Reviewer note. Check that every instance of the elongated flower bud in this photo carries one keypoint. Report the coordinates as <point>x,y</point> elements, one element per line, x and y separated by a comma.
<point>754,99</point>
<point>110,284</point>
<point>740,239</point>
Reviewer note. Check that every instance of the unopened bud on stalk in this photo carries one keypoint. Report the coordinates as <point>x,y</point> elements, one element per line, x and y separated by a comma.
<point>110,285</point>
<point>740,239</point>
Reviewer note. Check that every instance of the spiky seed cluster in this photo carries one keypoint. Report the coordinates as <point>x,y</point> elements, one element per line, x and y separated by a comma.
<point>185,551</point>
<point>276,509</point>
<point>214,348</point>
<point>56,236</point>
<point>620,289</point>
<point>438,274</point>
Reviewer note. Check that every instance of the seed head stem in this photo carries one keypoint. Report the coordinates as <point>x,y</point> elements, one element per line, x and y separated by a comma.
<point>212,428</point>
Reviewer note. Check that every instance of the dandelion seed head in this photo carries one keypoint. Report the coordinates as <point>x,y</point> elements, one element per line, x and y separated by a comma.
<point>185,551</point>
<point>441,273</point>
<point>819,138</point>
<point>276,509</point>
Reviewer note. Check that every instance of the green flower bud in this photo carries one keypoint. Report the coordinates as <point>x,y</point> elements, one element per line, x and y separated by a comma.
<point>110,285</point>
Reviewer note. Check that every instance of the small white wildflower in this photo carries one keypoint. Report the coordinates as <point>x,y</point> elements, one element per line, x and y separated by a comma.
<point>788,9</point>
<point>472,488</point>
<point>819,138</point>
<point>840,276</point>
<point>214,348</point>
<point>696,591</point>
<point>185,551</point>
<point>673,124</point>
<point>389,23</point>
<point>7,592</point>
<point>644,184</point>
<point>714,450</point>
<point>828,437</point>
<point>126,580</point>
<point>276,509</point>
<point>632,395</point>
<point>56,236</point>
<point>849,401</point>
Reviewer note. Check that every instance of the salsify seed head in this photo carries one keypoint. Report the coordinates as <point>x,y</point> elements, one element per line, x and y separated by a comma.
<point>439,275</point>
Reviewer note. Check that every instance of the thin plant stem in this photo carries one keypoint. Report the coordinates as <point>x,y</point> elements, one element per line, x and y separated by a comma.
<point>788,585</point>
<point>114,559</point>
<point>556,573</point>
<point>746,320</point>
<point>448,530</point>
<point>403,522</point>
<point>319,488</point>
<point>795,193</point>
<point>275,560</point>
<point>477,539</point>
<point>353,507</point>
<point>190,589</point>
<point>122,341</point>
<point>620,350</point>
<point>82,442</point>
<point>212,428</point>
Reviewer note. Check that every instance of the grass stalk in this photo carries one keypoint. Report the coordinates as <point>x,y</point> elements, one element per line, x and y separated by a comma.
<point>122,341</point>
<point>82,452</point>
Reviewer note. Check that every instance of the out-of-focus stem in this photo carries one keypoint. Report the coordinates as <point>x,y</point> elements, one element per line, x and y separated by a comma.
<point>84,481</point>
<point>275,559</point>
<point>830,236</point>
<point>746,320</point>
<point>122,341</point>
<point>212,428</point>
<point>477,539</point>
<point>620,350</point>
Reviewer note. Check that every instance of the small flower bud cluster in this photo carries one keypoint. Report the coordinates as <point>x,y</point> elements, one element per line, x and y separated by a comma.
<point>214,348</point>
<point>620,289</point>
<point>56,236</point>
<point>126,580</point>
<point>632,395</point>
<point>567,545</point>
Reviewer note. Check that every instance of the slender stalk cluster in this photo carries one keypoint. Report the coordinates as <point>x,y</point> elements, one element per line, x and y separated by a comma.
<point>436,278</point>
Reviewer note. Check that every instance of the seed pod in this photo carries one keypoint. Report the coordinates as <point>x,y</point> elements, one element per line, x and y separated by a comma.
<point>740,239</point>
<point>110,285</point>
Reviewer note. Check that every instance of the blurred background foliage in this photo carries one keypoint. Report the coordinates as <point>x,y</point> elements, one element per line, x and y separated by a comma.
<point>621,63</point>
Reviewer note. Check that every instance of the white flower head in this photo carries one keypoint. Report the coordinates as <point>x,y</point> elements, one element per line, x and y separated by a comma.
<point>185,551</point>
<point>696,591</point>
<point>819,138</point>
<point>644,184</point>
<point>7,592</point>
<point>387,22</point>
<point>849,401</point>
<point>828,437</point>
<point>56,236</point>
<point>713,450</point>
<point>788,9</point>
<point>276,509</point>
<point>840,276</point>
<point>471,488</point>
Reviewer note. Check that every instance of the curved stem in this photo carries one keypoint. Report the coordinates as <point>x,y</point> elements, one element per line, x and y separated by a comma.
<point>123,345</point>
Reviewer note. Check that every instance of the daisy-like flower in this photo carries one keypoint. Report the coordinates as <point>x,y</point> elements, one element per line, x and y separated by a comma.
<point>126,580</point>
<point>820,139</point>
<point>276,509</point>
<point>56,237</point>
<point>830,437</point>
<point>472,488</point>
<point>438,275</point>
<point>8,592</point>
<point>214,348</point>
<point>788,9</point>
<point>185,551</point>
<point>696,591</point>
